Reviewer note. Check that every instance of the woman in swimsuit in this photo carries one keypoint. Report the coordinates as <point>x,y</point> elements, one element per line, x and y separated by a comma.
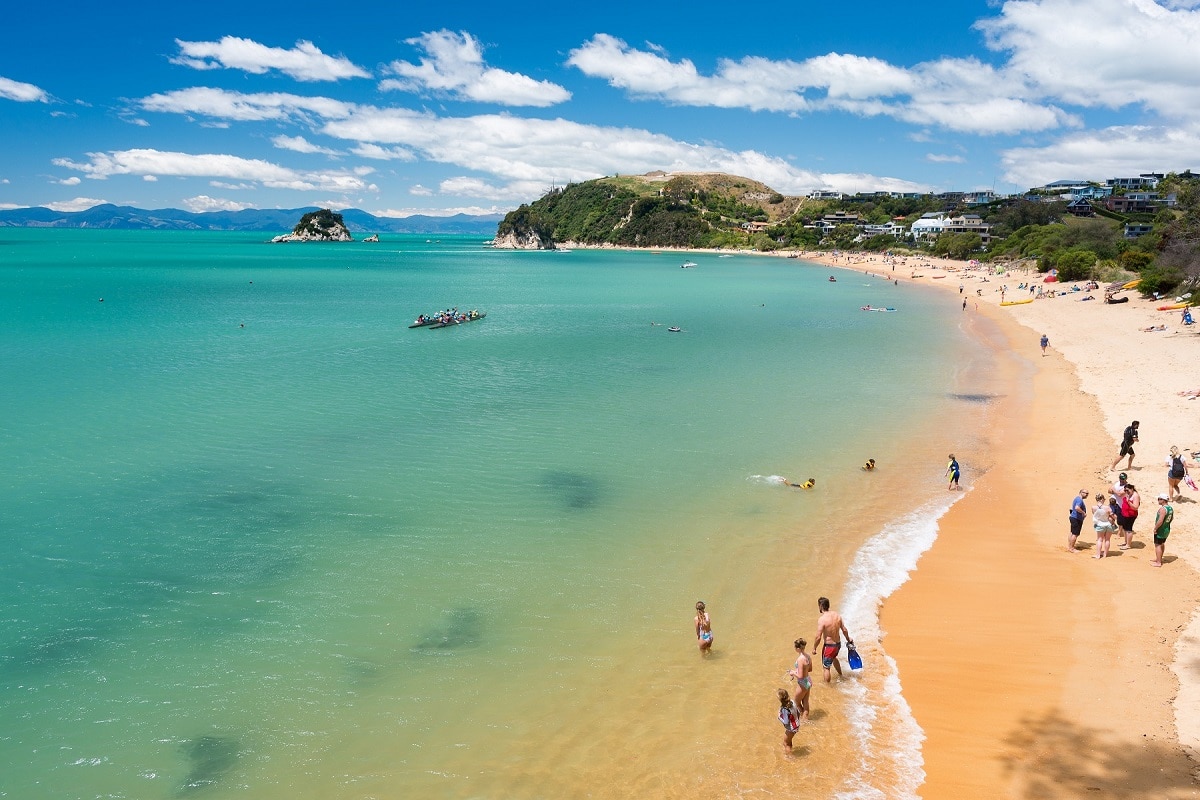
<point>800,672</point>
<point>704,634</point>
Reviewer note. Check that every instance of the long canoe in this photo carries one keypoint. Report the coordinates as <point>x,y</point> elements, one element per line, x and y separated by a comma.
<point>1173,307</point>
<point>425,322</point>
<point>479,316</point>
<point>1017,302</point>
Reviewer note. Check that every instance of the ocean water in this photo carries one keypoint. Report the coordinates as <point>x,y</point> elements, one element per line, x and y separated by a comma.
<point>263,540</point>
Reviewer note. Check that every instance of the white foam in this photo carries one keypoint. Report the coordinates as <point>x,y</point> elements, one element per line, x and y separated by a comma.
<point>890,764</point>
<point>767,479</point>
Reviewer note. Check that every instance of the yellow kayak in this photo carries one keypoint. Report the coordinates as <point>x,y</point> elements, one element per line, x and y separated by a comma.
<point>1173,307</point>
<point>1017,302</point>
<point>1132,284</point>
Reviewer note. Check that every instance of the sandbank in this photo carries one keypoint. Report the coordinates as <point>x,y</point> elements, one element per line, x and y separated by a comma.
<point>1035,672</point>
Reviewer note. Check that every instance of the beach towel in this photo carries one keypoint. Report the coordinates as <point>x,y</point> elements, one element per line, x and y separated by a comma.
<point>1191,483</point>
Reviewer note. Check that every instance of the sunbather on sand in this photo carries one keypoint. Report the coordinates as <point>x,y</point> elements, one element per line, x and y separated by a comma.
<point>1154,328</point>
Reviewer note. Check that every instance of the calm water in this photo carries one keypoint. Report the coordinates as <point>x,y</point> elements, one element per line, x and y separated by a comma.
<point>325,555</point>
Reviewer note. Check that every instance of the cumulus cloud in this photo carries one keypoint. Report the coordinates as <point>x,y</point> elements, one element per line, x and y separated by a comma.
<point>238,107</point>
<point>368,150</point>
<point>304,62</point>
<point>420,191</point>
<point>71,181</point>
<point>959,94</point>
<point>78,204</point>
<point>453,66</point>
<point>942,158</point>
<point>22,92</point>
<point>1117,151</point>
<point>301,145</point>
<point>439,212</point>
<point>210,165</point>
<point>515,191</point>
<point>202,202</point>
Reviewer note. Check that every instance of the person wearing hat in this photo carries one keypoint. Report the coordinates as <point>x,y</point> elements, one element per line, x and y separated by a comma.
<point>1162,528</point>
<point>1076,517</point>
<point>1115,495</point>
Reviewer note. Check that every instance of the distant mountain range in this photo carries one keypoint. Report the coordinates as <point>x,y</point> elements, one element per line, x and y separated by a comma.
<point>267,220</point>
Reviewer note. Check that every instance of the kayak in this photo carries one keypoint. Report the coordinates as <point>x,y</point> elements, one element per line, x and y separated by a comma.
<point>1131,284</point>
<point>1017,302</point>
<point>1173,307</point>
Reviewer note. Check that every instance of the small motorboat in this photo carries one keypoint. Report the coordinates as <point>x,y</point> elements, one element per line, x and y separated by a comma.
<point>674,329</point>
<point>832,279</point>
<point>688,265</point>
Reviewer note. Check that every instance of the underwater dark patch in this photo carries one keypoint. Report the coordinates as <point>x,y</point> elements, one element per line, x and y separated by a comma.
<point>975,398</point>
<point>460,628</point>
<point>574,490</point>
<point>210,757</point>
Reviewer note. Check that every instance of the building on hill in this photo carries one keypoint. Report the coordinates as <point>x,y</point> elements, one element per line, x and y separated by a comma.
<point>1081,207</point>
<point>822,194</point>
<point>929,226</point>
<point>1090,192</point>
<point>980,198</point>
<point>1135,229</point>
<point>1146,179</point>
<point>969,223</point>
<point>1064,185</point>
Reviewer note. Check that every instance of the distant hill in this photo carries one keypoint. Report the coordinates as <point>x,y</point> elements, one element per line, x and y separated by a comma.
<point>267,220</point>
<point>683,209</point>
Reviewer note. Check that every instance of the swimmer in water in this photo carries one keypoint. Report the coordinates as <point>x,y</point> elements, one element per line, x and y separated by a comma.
<point>808,484</point>
<point>870,465</point>
<point>704,635</point>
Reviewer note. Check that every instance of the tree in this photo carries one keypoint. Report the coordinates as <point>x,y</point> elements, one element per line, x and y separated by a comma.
<point>1075,265</point>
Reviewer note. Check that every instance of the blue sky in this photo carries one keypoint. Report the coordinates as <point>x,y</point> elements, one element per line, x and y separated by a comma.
<point>466,107</point>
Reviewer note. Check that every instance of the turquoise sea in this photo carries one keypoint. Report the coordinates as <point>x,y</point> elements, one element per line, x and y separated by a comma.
<point>263,540</point>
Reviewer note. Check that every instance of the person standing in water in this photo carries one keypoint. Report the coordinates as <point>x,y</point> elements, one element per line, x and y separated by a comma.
<point>704,634</point>
<point>830,628</point>
<point>800,672</point>
<point>789,716</point>
<point>952,473</point>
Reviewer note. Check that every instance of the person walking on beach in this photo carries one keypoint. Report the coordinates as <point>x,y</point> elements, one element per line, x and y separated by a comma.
<point>1129,513</point>
<point>704,634</point>
<point>1162,528</point>
<point>1127,440</point>
<point>801,672</point>
<point>952,473</point>
<point>1105,524</point>
<point>1076,517</point>
<point>1176,471</point>
<point>830,628</point>
<point>789,715</point>
<point>1045,343</point>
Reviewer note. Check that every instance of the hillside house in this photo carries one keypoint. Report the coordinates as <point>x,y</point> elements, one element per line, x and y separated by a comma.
<point>1135,229</point>
<point>1081,207</point>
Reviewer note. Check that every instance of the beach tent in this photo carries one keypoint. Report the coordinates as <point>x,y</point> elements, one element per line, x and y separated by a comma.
<point>1051,276</point>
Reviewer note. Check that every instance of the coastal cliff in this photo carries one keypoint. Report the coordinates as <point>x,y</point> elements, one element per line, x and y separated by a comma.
<point>318,226</point>
<point>654,210</point>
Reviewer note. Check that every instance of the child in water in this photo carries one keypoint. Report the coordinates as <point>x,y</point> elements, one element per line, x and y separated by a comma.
<point>704,634</point>
<point>870,465</point>
<point>808,484</point>
<point>789,716</point>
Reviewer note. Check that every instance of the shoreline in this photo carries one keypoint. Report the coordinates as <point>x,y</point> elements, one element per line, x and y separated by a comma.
<point>1018,659</point>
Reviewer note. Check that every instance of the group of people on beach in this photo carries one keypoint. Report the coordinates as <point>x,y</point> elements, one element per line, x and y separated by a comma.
<point>1120,510</point>
<point>794,708</point>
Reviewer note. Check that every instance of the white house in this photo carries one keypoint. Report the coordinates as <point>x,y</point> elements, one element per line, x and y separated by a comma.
<point>929,226</point>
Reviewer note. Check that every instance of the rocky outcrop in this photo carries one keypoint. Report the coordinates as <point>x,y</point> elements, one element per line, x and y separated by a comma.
<point>318,226</point>
<point>374,237</point>
<point>527,239</point>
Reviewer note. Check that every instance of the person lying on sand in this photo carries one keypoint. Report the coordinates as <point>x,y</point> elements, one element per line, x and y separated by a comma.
<point>1191,394</point>
<point>1154,328</point>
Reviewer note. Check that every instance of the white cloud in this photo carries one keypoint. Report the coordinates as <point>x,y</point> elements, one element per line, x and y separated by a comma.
<point>1104,53</point>
<point>149,178</point>
<point>78,204</point>
<point>226,105</point>
<point>420,191</point>
<point>516,191</point>
<point>237,187</point>
<point>940,158</point>
<point>22,92</point>
<point>210,165</point>
<point>368,150</point>
<point>304,62</point>
<point>202,202</point>
<point>1112,152</point>
<point>454,67</point>
<point>71,181</point>
<point>301,145</point>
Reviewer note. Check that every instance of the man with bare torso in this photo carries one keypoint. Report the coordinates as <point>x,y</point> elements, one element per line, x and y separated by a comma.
<point>830,628</point>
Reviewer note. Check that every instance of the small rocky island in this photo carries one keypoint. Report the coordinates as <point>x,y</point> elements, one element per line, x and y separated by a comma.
<point>318,226</point>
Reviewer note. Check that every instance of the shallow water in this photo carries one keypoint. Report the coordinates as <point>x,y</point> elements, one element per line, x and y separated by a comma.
<point>326,554</point>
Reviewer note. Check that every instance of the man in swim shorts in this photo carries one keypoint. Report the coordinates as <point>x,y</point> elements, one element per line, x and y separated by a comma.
<point>952,473</point>
<point>1162,529</point>
<point>830,628</point>
<point>1127,440</point>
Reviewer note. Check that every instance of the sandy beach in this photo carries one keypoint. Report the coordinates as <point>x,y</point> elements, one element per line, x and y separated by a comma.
<point>1033,671</point>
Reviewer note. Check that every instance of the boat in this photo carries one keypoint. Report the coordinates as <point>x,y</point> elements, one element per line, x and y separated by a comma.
<point>674,329</point>
<point>936,277</point>
<point>463,318</point>
<point>1017,302</point>
<point>422,321</point>
<point>876,308</point>
<point>1173,307</point>
<point>832,279</point>
<point>688,265</point>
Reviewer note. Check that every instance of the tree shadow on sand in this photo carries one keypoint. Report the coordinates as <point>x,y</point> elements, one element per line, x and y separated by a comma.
<point>1052,757</point>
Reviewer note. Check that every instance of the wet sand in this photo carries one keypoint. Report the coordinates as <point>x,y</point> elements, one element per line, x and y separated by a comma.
<point>1035,672</point>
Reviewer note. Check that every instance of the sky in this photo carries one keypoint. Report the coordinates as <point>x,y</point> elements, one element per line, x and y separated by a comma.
<point>475,108</point>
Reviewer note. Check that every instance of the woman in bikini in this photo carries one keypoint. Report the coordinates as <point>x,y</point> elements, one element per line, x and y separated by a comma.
<point>704,634</point>
<point>800,673</point>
